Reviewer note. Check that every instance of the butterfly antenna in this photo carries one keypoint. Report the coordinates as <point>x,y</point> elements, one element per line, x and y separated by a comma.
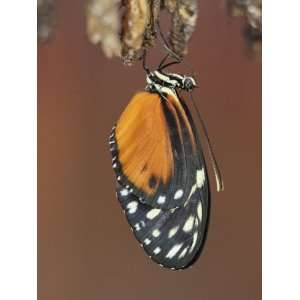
<point>216,169</point>
<point>171,52</point>
<point>166,45</point>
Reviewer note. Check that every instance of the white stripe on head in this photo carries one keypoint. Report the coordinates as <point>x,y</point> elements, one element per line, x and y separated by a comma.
<point>165,78</point>
<point>179,77</point>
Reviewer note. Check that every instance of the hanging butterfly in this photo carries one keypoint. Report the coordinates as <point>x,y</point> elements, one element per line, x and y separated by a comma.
<point>161,173</point>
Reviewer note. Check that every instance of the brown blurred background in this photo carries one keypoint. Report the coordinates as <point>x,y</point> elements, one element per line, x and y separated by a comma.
<point>86,249</point>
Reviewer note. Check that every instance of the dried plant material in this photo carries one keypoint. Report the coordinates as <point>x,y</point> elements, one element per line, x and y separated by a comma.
<point>45,19</point>
<point>253,13</point>
<point>136,18</point>
<point>249,8</point>
<point>184,18</point>
<point>170,5</point>
<point>252,10</point>
<point>237,7</point>
<point>150,32</point>
<point>254,32</point>
<point>103,25</point>
<point>137,30</point>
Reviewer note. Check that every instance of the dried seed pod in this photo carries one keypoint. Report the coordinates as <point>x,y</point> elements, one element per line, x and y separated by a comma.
<point>253,13</point>
<point>45,19</point>
<point>255,25</point>
<point>138,26</point>
<point>251,9</point>
<point>103,25</point>
<point>170,5</point>
<point>150,32</point>
<point>137,17</point>
<point>237,8</point>
<point>184,18</point>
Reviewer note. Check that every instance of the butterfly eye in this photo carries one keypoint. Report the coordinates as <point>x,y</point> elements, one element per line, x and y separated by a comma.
<point>188,83</point>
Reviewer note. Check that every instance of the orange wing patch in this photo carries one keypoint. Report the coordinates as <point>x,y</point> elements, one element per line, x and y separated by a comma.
<point>145,150</point>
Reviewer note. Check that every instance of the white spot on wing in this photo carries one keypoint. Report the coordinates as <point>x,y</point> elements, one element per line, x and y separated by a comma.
<point>183,253</point>
<point>188,225</point>
<point>173,231</point>
<point>193,189</point>
<point>195,236</point>
<point>132,207</point>
<point>124,192</point>
<point>157,250</point>
<point>156,232</point>
<point>174,250</point>
<point>147,241</point>
<point>137,227</point>
<point>153,213</point>
<point>161,199</point>
<point>199,211</point>
<point>178,194</point>
<point>200,178</point>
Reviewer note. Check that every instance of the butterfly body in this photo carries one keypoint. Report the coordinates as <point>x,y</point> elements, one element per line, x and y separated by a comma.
<point>162,181</point>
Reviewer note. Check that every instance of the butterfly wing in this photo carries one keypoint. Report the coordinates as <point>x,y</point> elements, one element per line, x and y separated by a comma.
<point>172,238</point>
<point>155,150</point>
<point>156,137</point>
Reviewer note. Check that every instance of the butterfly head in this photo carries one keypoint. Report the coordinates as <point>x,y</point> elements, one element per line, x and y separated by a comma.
<point>157,79</point>
<point>188,83</point>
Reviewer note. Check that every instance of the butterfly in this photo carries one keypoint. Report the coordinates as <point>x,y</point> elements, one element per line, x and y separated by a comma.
<point>162,182</point>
